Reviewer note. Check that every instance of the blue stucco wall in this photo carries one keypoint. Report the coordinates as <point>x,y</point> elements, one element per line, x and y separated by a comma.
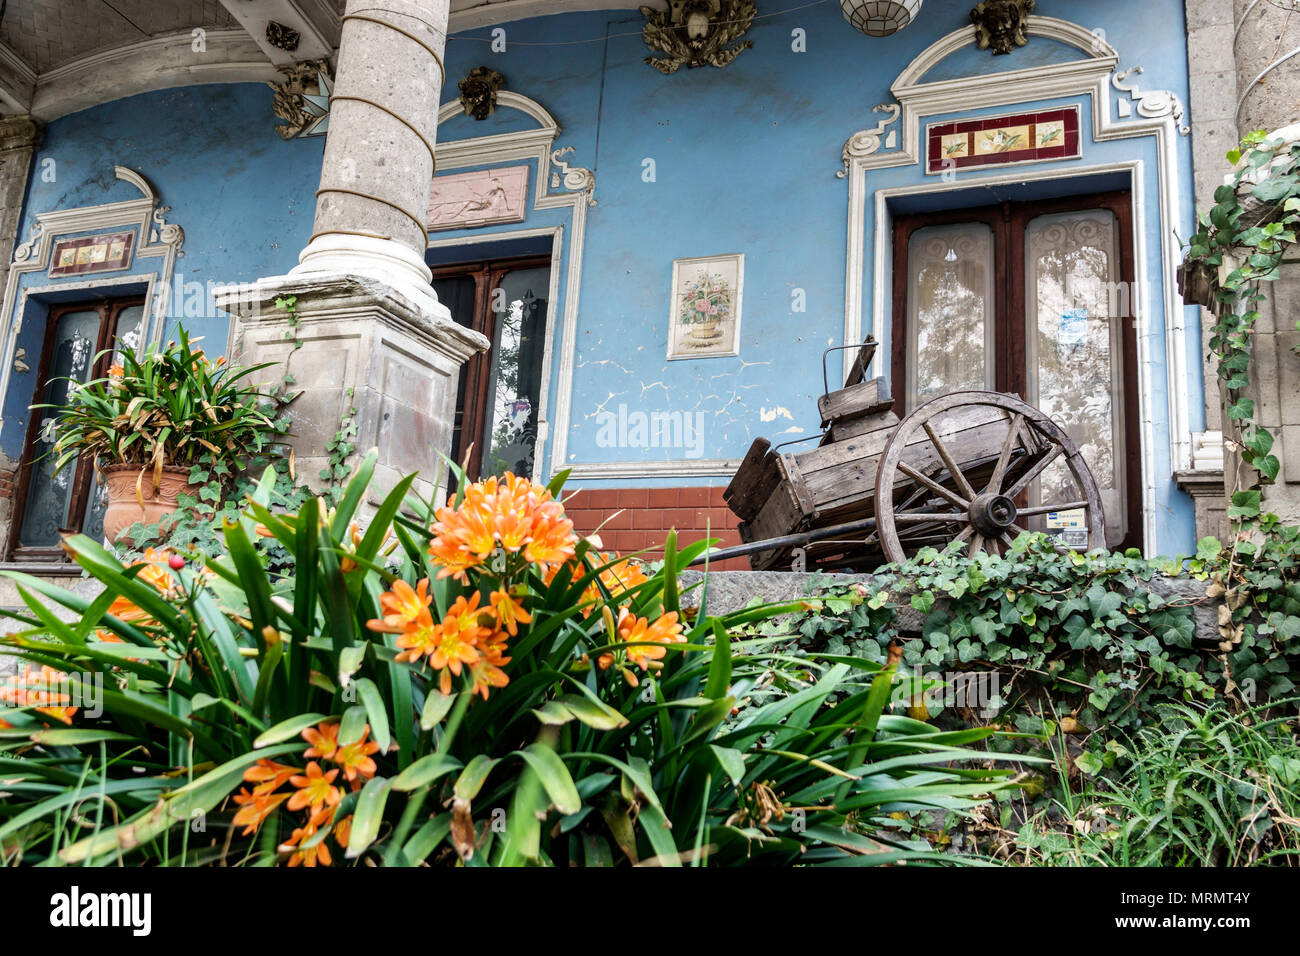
<point>745,161</point>
<point>242,195</point>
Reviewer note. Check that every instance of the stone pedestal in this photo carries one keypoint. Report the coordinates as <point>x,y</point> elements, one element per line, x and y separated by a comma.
<point>365,347</point>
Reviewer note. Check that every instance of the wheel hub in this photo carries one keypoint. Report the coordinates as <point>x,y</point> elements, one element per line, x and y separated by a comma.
<point>992,514</point>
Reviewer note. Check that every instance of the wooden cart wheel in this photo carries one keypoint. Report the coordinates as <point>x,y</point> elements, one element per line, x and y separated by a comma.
<point>976,494</point>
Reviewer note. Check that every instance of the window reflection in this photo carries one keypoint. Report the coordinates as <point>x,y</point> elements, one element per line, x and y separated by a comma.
<point>515,385</point>
<point>49,496</point>
<point>950,310</point>
<point>1075,318</point>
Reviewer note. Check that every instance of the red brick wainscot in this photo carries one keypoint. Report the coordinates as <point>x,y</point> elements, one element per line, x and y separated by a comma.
<point>641,517</point>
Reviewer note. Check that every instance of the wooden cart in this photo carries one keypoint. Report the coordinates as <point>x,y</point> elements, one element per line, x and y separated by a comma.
<point>961,467</point>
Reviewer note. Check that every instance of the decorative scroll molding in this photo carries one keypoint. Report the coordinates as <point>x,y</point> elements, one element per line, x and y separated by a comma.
<point>1151,104</point>
<point>574,178</point>
<point>867,141</point>
<point>156,239</point>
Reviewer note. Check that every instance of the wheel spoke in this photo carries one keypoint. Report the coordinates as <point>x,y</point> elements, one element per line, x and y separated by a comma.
<point>934,486</point>
<point>953,470</point>
<point>1023,481</point>
<point>976,544</point>
<point>1004,458</point>
<point>1044,509</point>
<point>922,517</point>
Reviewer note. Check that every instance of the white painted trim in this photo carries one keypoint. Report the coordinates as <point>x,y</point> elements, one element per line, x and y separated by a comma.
<point>155,239</point>
<point>685,468</point>
<point>510,100</point>
<point>491,12</point>
<point>1092,77</point>
<point>552,173</point>
<point>1052,28</point>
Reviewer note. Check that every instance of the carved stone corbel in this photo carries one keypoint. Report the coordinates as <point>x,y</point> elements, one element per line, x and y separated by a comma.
<point>695,33</point>
<point>478,91</point>
<point>1000,24</point>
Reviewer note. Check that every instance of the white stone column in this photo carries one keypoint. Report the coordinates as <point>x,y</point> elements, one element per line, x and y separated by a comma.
<point>371,334</point>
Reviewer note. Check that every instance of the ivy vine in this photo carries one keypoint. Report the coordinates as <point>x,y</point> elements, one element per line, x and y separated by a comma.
<point>1238,246</point>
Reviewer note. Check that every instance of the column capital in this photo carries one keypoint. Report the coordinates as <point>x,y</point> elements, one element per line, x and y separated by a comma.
<point>20,132</point>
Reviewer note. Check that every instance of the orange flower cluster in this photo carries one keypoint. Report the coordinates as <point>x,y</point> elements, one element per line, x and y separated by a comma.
<point>512,514</point>
<point>471,638</point>
<point>38,689</point>
<point>154,571</point>
<point>621,576</point>
<point>314,791</point>
<point>646,642</point>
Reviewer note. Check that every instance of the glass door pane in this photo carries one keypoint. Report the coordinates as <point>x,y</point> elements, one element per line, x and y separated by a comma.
<point>1074,371</point>
<point>457,294</point>
<point>515,387</point>
<point>950,309</point>
<point>128,335</point>
<point>49,496</point>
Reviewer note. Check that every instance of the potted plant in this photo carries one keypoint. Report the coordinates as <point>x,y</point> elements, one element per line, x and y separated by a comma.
<point>152,419</point>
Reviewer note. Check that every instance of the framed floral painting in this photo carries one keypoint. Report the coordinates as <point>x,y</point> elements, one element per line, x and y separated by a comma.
<point>704,320</point>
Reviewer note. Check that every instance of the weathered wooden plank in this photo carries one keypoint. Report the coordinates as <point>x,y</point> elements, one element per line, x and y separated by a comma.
<point>885,421</point>
<point>753,481</point>
<point>855,401</point>
<point>842,482</point>
<point>858,370</point>
<point>872,444</point>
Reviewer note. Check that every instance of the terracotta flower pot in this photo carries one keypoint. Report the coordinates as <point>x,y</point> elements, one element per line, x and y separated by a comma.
<point>126,507</point>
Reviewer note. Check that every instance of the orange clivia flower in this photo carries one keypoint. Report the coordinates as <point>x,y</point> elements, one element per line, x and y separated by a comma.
<point>463,638</point>
<point>646,641</point>
<point>116,371</point>
<point>418,639</point>
<point>324,740</point>
<point>354,758</point>
<point>458,636</point>
<point>622,575</point>
<point>40,688</point>
<point>402,606</point>
<point>486,672</point>
<point>316,855</point>
<point>510,612</point>
<point>255,806</point>
<point>343,831</point>
<point>269,772</point>
<point>315,789</point>
<point>153,571</point>
<point>511,513</point>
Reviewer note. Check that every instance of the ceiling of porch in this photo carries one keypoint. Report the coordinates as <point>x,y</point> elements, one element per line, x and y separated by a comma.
<point>59,56</point>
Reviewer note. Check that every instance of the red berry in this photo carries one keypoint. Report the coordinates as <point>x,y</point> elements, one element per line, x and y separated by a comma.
<point>176,562</point>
